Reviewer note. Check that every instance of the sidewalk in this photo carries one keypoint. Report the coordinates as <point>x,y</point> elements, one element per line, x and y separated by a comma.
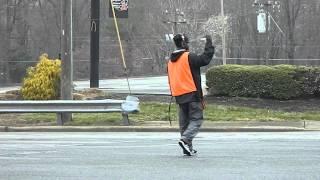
<point>163,126</point>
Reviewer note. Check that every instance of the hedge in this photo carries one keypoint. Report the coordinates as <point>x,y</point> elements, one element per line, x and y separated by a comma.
<point>279,82</point>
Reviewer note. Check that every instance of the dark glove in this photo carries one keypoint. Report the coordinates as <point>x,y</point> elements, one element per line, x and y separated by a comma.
<point>209,41</point>
<point>208,38</point>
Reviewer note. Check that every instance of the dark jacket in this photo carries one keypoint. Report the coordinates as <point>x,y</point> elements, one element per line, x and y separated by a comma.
<point>195,62</point>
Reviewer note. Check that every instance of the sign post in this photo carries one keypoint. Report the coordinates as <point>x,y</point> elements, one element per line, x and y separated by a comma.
<point>94,43</point>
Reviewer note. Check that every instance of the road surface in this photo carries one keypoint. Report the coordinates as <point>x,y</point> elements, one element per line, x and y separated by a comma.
<point>143,85</point>
<point>24,156</point>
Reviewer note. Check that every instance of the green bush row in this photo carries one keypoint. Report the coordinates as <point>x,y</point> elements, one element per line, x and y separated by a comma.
<point>279,82</point>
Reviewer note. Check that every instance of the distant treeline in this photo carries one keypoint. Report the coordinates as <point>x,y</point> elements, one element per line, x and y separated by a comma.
<point>29,28</point>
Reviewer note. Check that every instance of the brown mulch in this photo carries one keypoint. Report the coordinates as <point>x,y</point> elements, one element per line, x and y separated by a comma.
<point>297,105</point>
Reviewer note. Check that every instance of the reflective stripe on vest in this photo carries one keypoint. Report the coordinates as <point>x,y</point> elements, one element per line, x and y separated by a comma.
<point>180,77</point>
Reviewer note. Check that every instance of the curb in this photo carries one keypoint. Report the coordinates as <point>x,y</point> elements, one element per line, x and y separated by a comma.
<point>254,129</point>
<point>90,129</point>
<point>146,129</point>
<point>3,129</point>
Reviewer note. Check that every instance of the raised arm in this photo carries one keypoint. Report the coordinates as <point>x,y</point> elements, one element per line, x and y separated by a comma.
<point>205,58</point>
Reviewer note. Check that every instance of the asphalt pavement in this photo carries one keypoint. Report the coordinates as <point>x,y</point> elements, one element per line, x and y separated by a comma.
<point>291,155</point>
<point>157,85</point>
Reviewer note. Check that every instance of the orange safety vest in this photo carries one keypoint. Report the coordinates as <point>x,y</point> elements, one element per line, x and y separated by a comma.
<point>180,77</point>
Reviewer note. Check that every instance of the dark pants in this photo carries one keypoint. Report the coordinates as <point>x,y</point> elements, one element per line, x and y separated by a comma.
<point>190,120</point>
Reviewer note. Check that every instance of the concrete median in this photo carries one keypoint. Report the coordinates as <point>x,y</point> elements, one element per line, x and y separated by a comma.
<point>145,129</point>
<point>3,128</point>
<point>91,129</point>
<point>163,126</point>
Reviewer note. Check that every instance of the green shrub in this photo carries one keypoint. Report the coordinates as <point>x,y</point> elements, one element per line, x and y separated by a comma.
<point>43,81</point>
<point>279,82</point>
<point>310,80</point>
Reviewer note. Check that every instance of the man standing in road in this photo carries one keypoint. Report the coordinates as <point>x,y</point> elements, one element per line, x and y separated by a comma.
<point>185,85</point>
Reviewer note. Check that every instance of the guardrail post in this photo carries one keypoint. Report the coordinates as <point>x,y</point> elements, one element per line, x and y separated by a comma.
<point>125,119</point>
<point>59,119</point>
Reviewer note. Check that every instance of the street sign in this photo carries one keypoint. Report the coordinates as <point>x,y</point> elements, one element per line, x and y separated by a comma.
<point>121,8</point>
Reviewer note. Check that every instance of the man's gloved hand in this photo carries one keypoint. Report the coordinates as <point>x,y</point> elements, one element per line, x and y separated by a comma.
<point>209,42</point>
<point>208,38</point>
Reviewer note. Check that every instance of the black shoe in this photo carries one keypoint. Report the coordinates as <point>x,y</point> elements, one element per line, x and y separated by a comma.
<point>194,152</point>
<point>185,152</point>
<point>185,148</point>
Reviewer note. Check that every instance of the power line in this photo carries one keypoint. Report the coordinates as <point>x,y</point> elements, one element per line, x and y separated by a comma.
<point>254,59</point>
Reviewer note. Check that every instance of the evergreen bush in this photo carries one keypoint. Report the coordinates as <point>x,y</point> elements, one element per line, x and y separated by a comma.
<point>43,81</point>
<point>279,82</point>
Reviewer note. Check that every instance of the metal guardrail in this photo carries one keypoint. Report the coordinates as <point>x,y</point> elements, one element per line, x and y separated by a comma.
<point>66,106</point>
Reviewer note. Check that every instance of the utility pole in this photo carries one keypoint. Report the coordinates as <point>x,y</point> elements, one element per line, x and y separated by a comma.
<point>177,20</point>
<point>263,8</point>
<point>66,57</point>
<point>268,34</point>
<point>224,55</point>
<point>11,8</point>
<point>94,43</point>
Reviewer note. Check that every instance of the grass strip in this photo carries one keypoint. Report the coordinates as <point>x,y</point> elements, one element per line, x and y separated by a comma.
<point>154,111</point>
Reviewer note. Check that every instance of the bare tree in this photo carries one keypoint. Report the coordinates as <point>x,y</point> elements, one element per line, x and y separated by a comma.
<point>3,36</point>
<point>292,11</point>
<point>31,27</point>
